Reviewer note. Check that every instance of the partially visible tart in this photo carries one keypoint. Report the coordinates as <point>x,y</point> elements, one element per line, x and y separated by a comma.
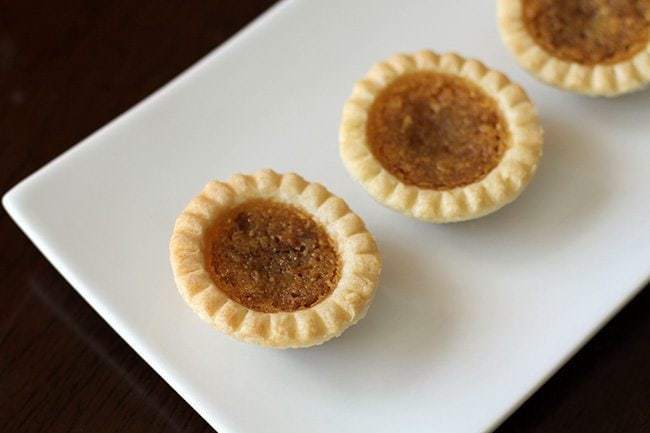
<point>274,260</point>
<point>439,137</point>
<point>594,47</point>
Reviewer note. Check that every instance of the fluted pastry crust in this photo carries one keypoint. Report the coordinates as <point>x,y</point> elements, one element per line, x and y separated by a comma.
<point>346,304</point>
<point>594,80</point>
<point>498,188</point>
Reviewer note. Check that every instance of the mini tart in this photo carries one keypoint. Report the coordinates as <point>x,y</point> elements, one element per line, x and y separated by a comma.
<point>593,47</point>
<point>274,260</point>
<point>439,137</point>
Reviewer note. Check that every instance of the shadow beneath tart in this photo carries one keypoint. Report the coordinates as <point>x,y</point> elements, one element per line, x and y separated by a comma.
<point>562,201</point>
<point>624,112</point>
<point>402,338</point>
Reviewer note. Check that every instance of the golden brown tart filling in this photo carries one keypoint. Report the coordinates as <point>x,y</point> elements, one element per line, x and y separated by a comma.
<point>436,130</point>
<point>589,31</point>
<point>272,257</point>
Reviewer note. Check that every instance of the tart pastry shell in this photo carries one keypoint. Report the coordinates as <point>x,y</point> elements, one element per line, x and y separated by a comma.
<point>499,187</point>
<point>360,262</point>
<point>594,80</point>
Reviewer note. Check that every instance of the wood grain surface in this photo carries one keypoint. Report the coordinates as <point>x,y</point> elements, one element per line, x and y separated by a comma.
<point>67,68</point>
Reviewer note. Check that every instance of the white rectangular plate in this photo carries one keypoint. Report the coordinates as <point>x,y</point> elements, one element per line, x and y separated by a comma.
<point>469,319</point>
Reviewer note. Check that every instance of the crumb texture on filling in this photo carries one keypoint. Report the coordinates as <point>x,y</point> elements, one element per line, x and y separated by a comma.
<point>272,257</point>
<point>436,131</point>
<point>589,32</point>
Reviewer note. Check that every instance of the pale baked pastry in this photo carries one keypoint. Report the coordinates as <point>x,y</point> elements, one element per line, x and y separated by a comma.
<point>439,137</point>
<point>274,260</point>
<point>594,47</point>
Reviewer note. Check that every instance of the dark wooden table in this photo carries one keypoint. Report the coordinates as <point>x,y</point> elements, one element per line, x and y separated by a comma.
<point>67,68</point>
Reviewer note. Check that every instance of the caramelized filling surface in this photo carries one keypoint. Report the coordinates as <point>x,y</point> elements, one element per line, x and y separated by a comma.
<point>436,131</point>
<point>589,31</point>
<point>272,257</point>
